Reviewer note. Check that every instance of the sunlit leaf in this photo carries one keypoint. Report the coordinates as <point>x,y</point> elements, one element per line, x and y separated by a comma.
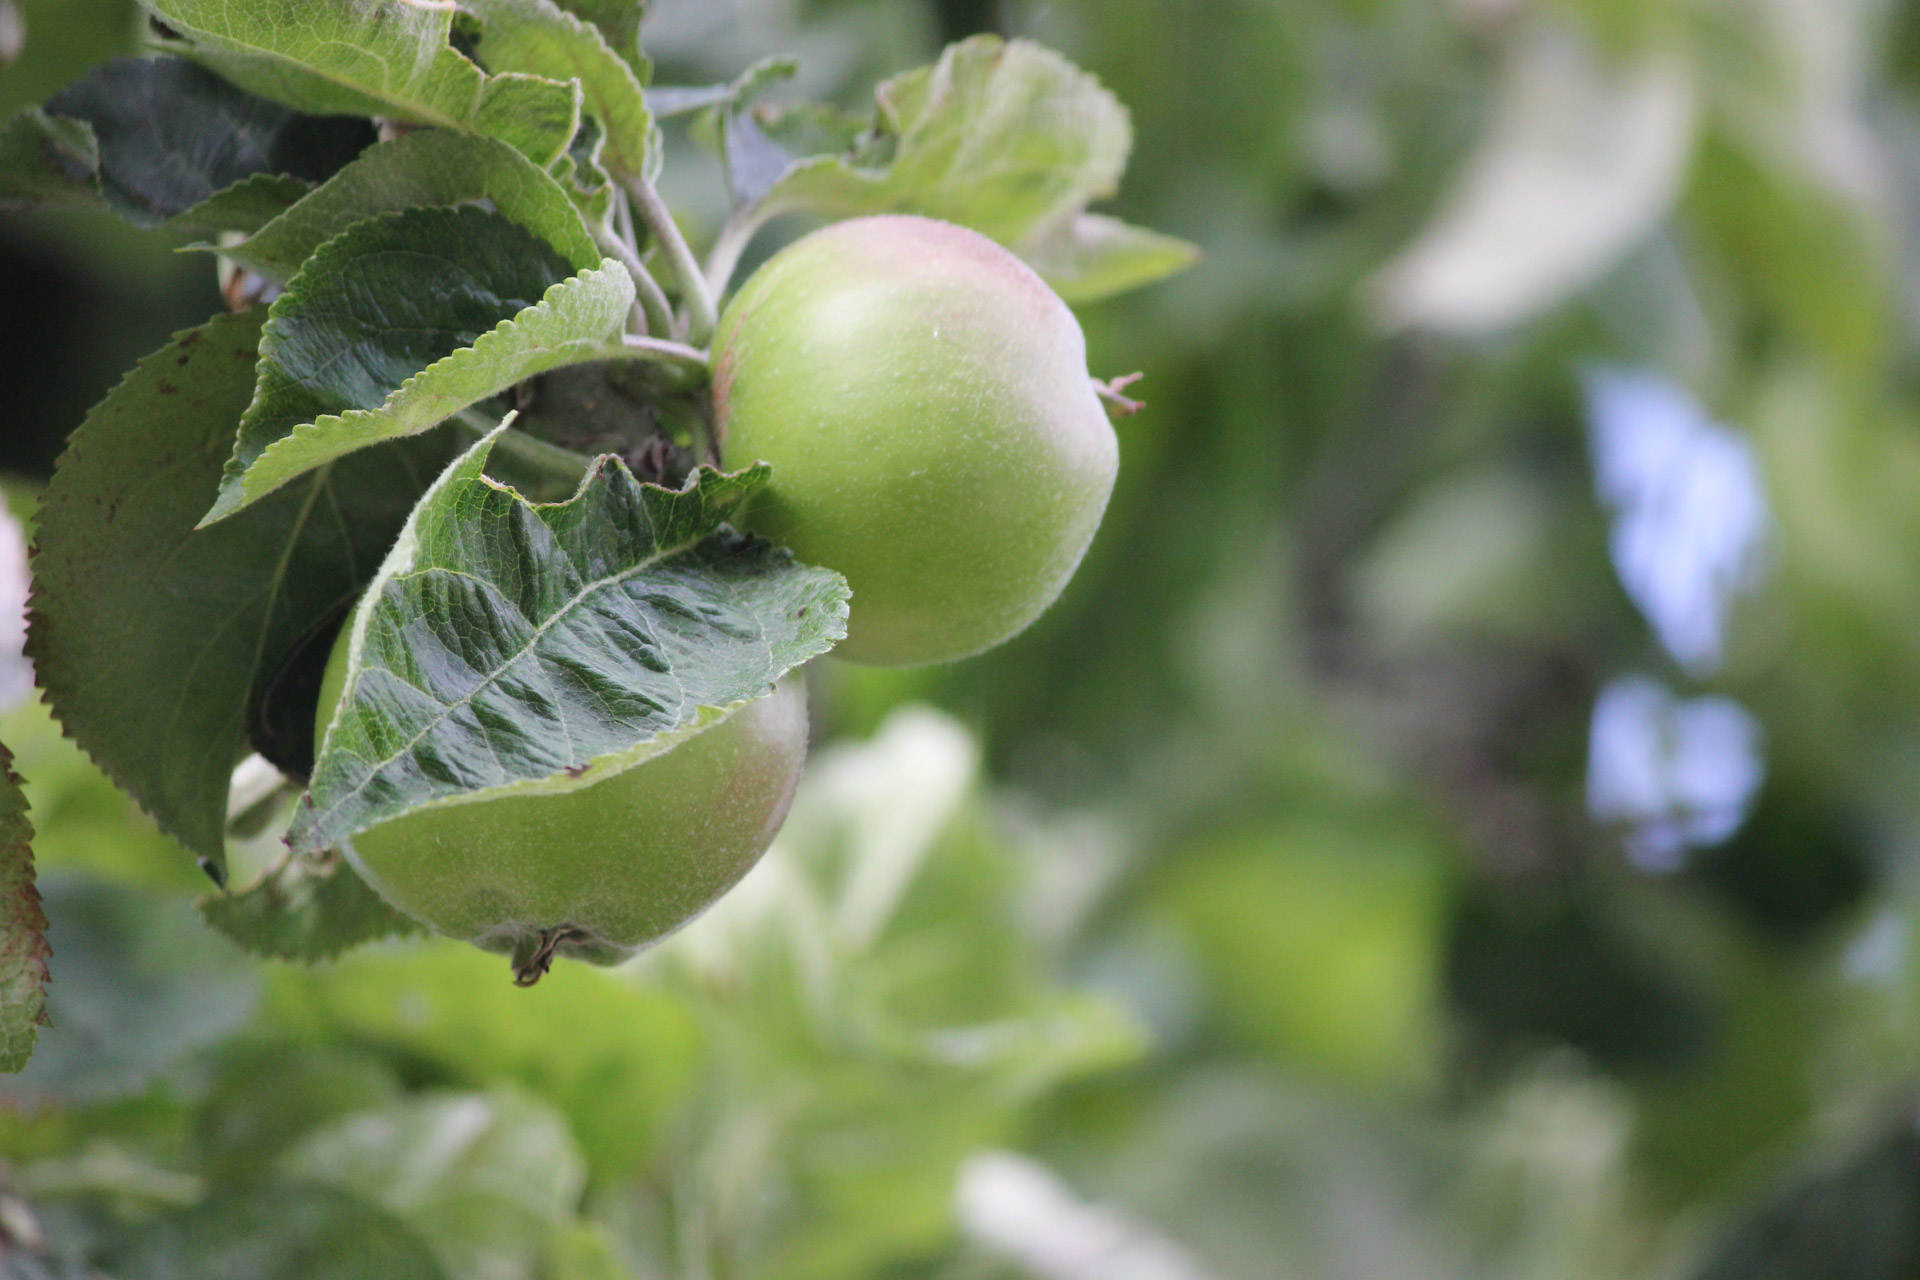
<point>1091,256</point>
<point>372,58</point>
<point>1580,160</point>
<point>620,1059</point>
<point>1006,137</point>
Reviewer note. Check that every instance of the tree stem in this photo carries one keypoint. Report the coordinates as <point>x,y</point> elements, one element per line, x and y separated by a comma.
<point>701,315</point>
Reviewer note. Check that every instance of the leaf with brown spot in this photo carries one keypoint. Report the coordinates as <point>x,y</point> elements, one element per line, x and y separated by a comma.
<point>23,928</point>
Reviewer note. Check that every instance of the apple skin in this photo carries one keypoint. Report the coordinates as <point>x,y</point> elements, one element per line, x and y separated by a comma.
<point>924,400</point>
<point>607,869</point>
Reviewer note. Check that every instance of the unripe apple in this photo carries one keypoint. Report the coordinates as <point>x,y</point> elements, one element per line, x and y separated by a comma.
<point>924,400</point>
<point>598,873</point>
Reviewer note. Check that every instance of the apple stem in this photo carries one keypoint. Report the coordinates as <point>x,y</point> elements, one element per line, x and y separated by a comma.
<point>1118,405</point>
<point>533,956</point>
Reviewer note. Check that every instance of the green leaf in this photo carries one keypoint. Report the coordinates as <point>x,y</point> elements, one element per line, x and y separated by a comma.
<point>619,23</point>
<point>170,136</point>
<point>1092,256</point>
<point>373,58</point>
<point>47,162</point>
<point>541,38</point>
<point>1006,137</point>
<point>53,162</point>
<point>402,321</point>
<point>584,1250</point>
<point>543,648</point>
<point>426,167</point>
<point>23,928</point>
<point>142,984</point>
<point>617,1057</point>
<point>305,909</point>
<point>154,641</point>
<point>266,1094</point>
<point>485,1178</point>
<point>280,1231</point>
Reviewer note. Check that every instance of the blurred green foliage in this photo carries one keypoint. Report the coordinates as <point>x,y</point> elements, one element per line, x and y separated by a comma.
<point>1257,899</point>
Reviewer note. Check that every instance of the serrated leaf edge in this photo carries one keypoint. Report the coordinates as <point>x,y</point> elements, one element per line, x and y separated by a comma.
<point>32,918</point>
<point>468,467</point>
<point>37,624</point>
<point>236,493</point>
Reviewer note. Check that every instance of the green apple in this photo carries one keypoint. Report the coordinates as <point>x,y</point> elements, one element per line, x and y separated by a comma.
<point>598,873</point>
<point>924,400</point>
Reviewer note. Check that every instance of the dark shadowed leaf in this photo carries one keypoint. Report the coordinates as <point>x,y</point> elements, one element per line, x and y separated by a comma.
<point>305,909</point>
<point>172,135</point>
<point>280,1231</point>
<point>402,321</point>
<point>47,162</point>
<point>141,984</point>
<point>1860,1222</point>
<point>153,640</point>
<point>546,647</point>
<point>23,926</point>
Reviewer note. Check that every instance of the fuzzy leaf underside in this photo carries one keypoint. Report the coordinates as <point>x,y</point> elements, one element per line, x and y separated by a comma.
<point>403,320</point>
<point>373,58</point>
<point>544,648</point>
<point>304,911</point>
<point>1091,256</point>
<point>1006,137</point>
<point>152,639</point>
<point>539,37</point>
<point>619,23</point>
<point>23,928</point>
<point>426,167</point>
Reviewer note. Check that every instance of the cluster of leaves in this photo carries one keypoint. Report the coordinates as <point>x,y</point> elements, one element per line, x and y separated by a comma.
<point>429,219</point>
<point>403,1113</point>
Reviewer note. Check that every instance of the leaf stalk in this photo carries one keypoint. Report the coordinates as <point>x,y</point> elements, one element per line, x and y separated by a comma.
<point>701,314</point>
